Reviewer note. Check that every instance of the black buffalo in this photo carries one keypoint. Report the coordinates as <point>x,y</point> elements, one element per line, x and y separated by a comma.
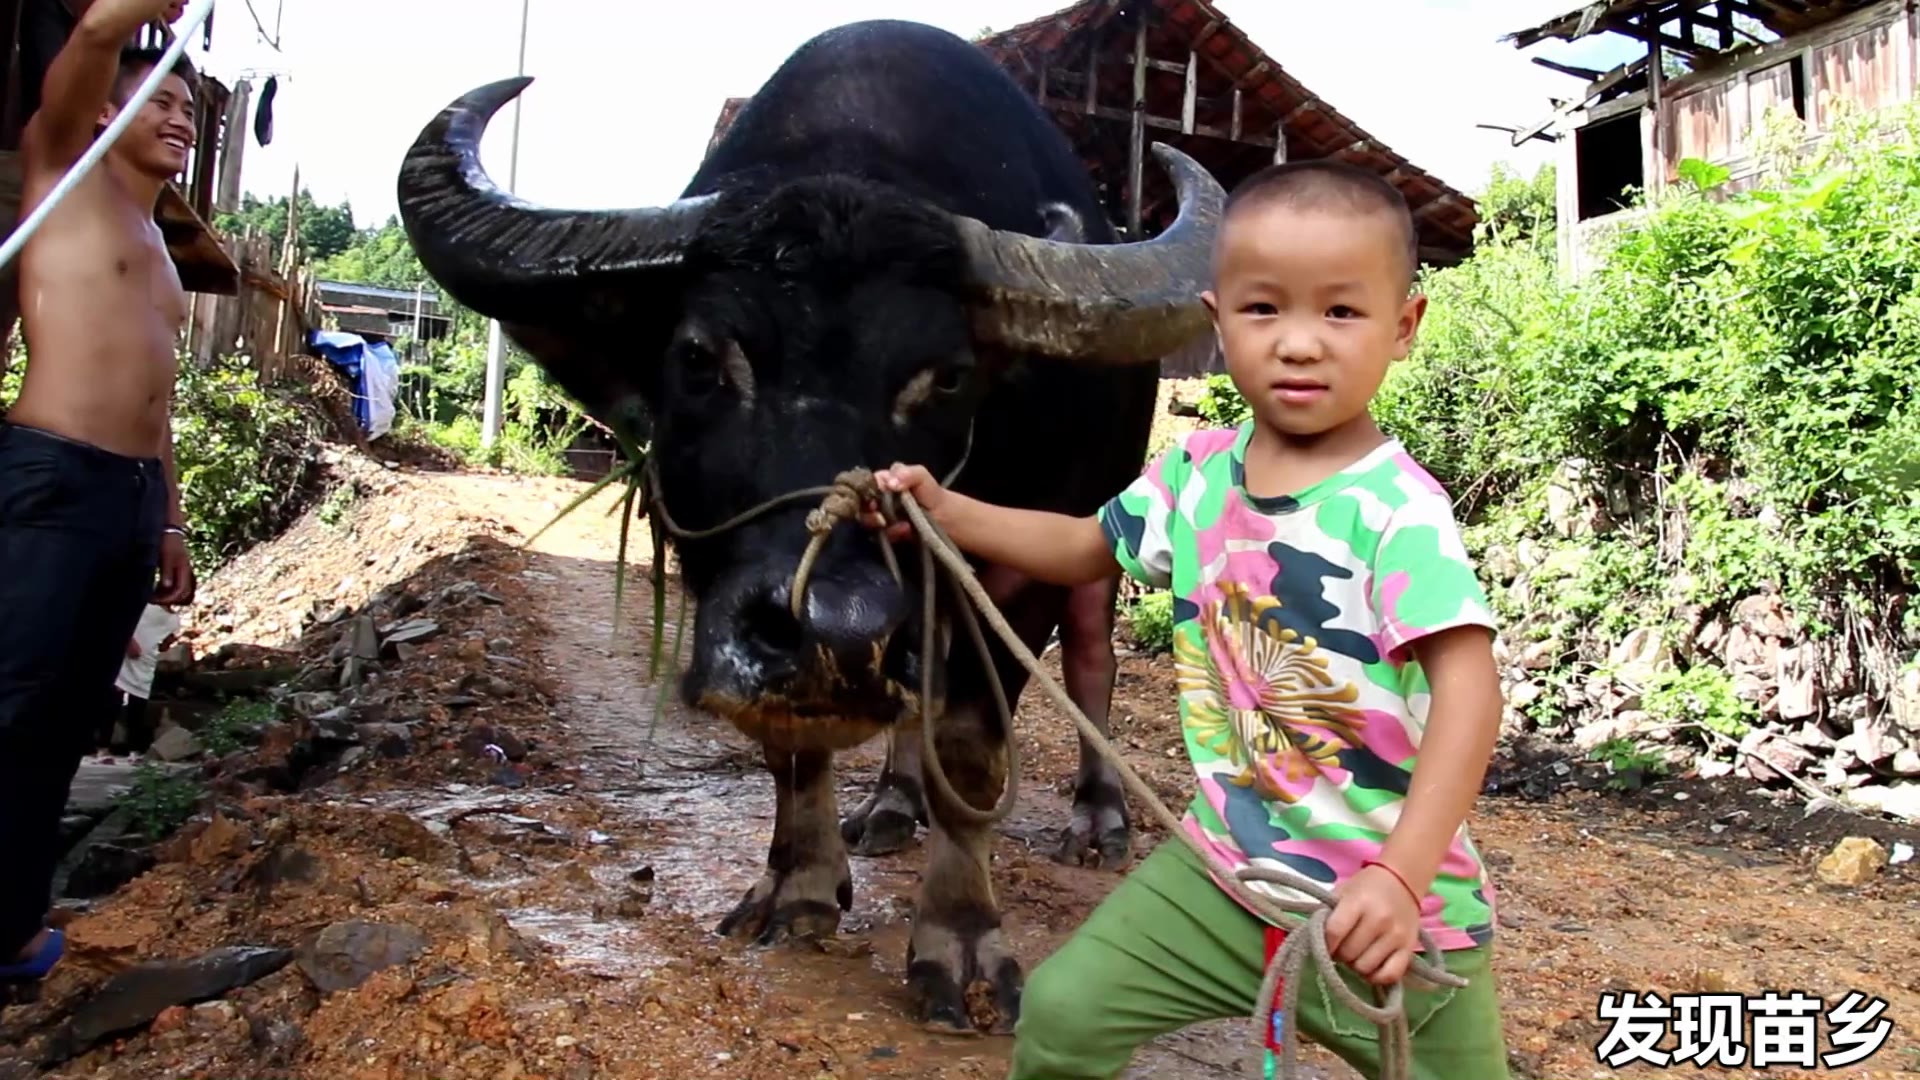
<point>892,255</point>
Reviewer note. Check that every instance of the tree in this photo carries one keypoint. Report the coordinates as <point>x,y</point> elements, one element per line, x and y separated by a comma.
<point>323,231</point>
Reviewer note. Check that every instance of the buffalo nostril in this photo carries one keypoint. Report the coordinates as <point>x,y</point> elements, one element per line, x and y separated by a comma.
<point>770,626</point>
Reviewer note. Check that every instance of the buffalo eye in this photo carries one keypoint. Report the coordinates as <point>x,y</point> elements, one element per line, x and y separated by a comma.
<point>938,382</point>
<point>707,369</point>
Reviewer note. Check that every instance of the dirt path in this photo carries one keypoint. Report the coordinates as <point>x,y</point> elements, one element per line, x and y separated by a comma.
<point>565,900</point>
<point>1683,889</point>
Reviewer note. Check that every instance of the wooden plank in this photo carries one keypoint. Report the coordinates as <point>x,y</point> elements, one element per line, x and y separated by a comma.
<point>1234,131</point>
<point>1589,74</point>
<point>1137,141</point>
<point>1164,123</point>
<point>1093,73</point>
<point>1280,144</point>
<point>1193,89</point>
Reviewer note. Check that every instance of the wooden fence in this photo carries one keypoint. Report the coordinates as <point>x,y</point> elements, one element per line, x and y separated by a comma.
<point>268,320</point>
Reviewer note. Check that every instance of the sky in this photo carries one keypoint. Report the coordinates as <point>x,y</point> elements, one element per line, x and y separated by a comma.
<point>625,95</point>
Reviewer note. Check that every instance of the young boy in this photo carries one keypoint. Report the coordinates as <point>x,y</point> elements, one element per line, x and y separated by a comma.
<point>1337,689</point>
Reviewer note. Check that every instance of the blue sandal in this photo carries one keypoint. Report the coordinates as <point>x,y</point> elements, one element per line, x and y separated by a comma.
<point>36,968</point>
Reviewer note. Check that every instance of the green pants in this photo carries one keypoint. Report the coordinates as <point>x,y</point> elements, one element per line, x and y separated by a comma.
<point>1168,948</point>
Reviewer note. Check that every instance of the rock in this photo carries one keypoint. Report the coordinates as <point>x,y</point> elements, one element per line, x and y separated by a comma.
<point>1590,735</point>
<point>310,704</point>
<point>1524,693</point>
<point>1904,701</point>
<point>387,740</point>
<point>240,681</point>
<point>1906,762</point>
<point>134,997</point>
<point>1798,672</point>
<point>1761,614</point>
<point>1750,687</point>
<point>346,954</point>
<point>1571,508</point>
<point>1748,652</point>
<point>98,785</point>
<point>1530,553</point>
<point>365,638</point>
<point>104,868</point>
<point>1710,636</point>
<point>1811,737</point>
<point>1500,564</point>
<point>1541,655</point>
<point>352,757</point>
<point>1774,751</point>
<point>411,632</point>
<point>353,672</point>
<point>174,743</point>
<point>1852,862</point>
<point>1565,562</point>
<point>1896,800</point>
<point>175,659</point>
<point>1712,769</point>
<point>404,652</point>
<point>480,736</point>
<point>1872,739</point>
<point>1641,656</point>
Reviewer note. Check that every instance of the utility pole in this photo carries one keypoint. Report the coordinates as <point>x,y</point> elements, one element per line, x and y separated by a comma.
<point>496,343</point>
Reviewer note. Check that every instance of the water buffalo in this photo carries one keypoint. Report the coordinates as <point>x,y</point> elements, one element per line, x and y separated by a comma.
<point>893,254</point>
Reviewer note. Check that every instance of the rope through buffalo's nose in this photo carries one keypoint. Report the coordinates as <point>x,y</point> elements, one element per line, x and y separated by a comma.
<point>850,493</point>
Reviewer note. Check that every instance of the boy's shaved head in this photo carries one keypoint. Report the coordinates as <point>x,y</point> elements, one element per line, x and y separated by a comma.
<point>1329,185</point>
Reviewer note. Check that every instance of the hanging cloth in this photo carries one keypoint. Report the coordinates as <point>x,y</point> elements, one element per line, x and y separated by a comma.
<point>263,116</point>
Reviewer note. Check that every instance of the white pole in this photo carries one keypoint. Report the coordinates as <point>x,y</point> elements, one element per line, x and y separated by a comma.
<point>496,343</point>
<point>196,15</point>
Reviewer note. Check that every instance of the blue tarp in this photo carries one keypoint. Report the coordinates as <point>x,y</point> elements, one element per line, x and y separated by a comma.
<point>374,383</point>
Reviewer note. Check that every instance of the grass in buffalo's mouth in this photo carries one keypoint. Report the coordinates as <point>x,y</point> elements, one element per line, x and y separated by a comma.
<point>637,499</point>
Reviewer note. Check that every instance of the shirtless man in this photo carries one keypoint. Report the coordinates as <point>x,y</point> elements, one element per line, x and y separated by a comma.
<point>89,507</point>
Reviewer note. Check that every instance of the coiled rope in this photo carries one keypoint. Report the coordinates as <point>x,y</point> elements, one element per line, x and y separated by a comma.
<point>843,501</point>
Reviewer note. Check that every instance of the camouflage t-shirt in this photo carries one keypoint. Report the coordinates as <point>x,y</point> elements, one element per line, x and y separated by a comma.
<point>1301,704</point>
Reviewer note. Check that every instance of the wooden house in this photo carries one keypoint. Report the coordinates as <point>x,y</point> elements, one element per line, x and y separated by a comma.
<point>1707,75</point>
<point>1117,75</point>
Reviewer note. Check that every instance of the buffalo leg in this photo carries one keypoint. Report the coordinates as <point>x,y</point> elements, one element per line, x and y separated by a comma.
<point>807,884</point>
<point>896,807</point>
<point>1099,832</point>
<point>959,966</point>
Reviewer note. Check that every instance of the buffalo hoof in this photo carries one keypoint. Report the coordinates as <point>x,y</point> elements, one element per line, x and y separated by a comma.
<point>802,905</point>
<point>1099,834</point>
<point>964,983</point>
<point>887,821</point>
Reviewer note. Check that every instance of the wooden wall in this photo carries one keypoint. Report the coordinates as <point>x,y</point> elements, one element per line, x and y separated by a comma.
<point>1860,63</point>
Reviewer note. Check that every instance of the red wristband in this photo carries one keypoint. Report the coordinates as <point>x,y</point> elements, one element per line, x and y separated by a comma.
<point>1397,876</point>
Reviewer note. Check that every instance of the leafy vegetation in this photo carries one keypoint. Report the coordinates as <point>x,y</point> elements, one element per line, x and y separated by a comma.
<point>160,801</point>
<point>244,455</point>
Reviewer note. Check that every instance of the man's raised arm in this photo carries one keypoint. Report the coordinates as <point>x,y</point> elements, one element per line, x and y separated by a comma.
<point>79,81</point>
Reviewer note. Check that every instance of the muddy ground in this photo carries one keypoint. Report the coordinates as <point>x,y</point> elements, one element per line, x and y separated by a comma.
<point>554,854</point>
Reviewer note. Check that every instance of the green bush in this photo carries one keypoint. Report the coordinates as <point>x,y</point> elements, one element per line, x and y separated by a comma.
<point>1150,621</point>
<point>244,455</point>
<point>1738,372</point>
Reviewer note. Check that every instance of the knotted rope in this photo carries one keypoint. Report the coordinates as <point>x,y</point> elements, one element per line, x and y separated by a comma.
<point>843,501</point>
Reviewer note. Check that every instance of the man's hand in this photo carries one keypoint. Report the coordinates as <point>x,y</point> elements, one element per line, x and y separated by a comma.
<point>176,572</point>
<point>1375,926</point>
<point>133,648</point>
